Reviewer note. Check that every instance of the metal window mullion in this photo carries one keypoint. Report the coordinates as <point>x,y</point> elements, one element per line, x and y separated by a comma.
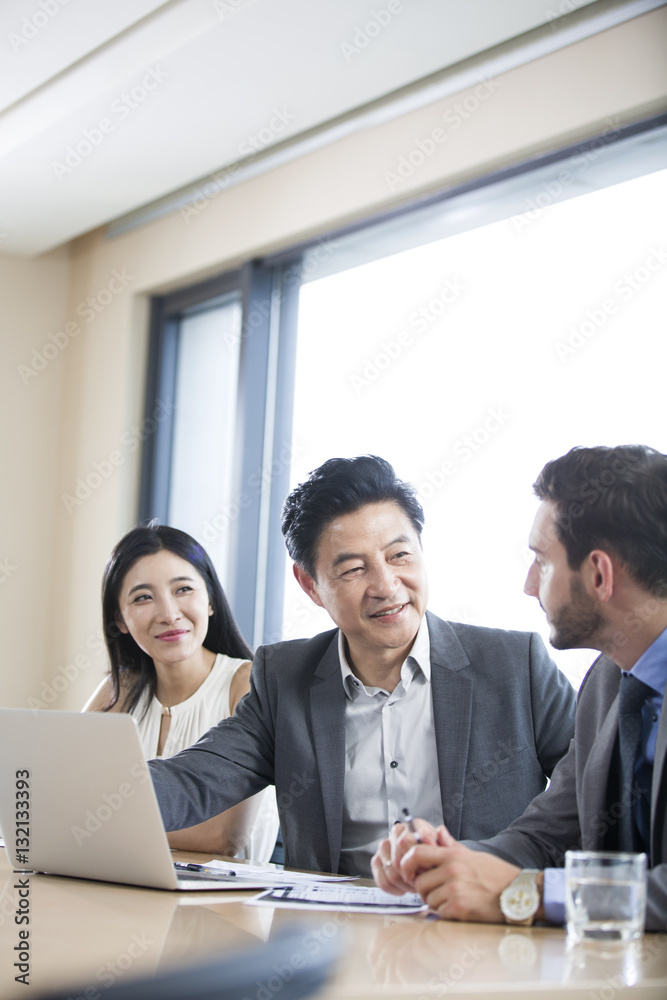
<point>157,451</point>
<point>282,450</point>
<point>265,498</point>
<point>250,432</point>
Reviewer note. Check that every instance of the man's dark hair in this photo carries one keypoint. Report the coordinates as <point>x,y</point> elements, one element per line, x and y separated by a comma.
<point>613,499</point>
<point>341,486</point>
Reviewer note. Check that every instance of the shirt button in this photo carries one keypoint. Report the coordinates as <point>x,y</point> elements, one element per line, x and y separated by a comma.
<point>394,763</point>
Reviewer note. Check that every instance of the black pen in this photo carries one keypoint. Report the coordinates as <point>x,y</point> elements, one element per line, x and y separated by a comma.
<point>200,868</point>
<point>410,823</point>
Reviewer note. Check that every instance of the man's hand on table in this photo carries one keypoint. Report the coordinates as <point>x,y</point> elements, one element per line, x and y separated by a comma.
<point>456,882</point>
<point>387,860</point>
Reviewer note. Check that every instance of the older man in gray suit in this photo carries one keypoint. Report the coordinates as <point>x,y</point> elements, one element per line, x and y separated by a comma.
<point>393,708</point>
<point>600,574</point>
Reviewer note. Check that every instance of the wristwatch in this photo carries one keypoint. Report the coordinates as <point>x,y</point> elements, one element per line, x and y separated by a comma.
<point>521,900</point>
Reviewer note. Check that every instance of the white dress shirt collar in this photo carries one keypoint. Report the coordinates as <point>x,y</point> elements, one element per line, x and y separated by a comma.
<point>419,658</point>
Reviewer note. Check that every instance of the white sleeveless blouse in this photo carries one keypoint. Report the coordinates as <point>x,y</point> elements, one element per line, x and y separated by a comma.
<point>191,719</point>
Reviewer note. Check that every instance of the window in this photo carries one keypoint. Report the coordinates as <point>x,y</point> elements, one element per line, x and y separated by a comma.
<point>468,342</point>
<point>220,457</point>
<point>200,482</point>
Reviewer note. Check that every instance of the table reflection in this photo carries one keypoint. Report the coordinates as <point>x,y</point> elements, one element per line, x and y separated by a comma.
<point>86,935</point>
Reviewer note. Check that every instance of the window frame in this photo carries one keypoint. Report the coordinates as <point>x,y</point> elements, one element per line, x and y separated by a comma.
<point>267,357</point>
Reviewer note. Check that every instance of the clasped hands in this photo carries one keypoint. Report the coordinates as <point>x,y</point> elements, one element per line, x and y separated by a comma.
<point>456,882</point>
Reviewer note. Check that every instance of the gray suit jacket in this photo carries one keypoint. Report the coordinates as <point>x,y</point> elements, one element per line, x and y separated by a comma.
<point>503,717</point>
<point>574,814</point>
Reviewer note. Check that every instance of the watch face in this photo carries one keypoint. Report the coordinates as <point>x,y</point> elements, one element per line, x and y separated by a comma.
<point>520,903</point>
<point>521,899</point>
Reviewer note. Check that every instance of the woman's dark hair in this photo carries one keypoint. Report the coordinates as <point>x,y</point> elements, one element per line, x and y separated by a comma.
<point>613,499</point>
<point>127,661</point>
<point>341,486</point>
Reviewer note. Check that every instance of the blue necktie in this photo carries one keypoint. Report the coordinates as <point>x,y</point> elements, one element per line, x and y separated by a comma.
<point>632,696</point>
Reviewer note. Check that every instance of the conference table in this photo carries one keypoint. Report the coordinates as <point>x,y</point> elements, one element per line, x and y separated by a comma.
<point>86,935</point>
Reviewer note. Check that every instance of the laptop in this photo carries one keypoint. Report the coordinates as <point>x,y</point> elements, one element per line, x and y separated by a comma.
<point>76,798</point>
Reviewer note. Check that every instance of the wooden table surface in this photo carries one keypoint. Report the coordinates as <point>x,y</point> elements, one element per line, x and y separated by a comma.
<point>86,935</point>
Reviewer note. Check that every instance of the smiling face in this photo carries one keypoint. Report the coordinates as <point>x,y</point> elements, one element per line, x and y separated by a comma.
<point>573,615</point>
<point>164,605</point>
<point>371,578</point>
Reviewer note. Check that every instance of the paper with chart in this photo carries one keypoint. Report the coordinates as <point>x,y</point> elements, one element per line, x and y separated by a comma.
<point>349,898</point>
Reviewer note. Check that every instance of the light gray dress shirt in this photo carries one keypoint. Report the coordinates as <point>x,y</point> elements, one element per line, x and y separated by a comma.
<point>390,755</point>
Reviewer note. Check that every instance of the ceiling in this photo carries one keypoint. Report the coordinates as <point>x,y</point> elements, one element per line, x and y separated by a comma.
<point>108,105</point>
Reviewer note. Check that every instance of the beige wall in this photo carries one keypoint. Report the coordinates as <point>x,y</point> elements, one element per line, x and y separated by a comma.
<point>83,408</point>
<point>33,305</point>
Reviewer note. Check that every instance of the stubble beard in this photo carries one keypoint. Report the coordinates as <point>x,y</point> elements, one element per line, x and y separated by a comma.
<point>577,624</point>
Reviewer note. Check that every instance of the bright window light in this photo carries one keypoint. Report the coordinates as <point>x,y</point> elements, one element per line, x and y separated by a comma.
<point>470,362</point>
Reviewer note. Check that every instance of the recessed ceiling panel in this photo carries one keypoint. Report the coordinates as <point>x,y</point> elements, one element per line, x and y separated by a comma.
<point>109,106</point>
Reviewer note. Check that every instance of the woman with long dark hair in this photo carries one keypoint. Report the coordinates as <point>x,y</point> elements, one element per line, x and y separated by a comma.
<point>178,664</point>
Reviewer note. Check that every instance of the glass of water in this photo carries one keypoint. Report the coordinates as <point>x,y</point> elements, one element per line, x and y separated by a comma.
<point>605,895</point>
